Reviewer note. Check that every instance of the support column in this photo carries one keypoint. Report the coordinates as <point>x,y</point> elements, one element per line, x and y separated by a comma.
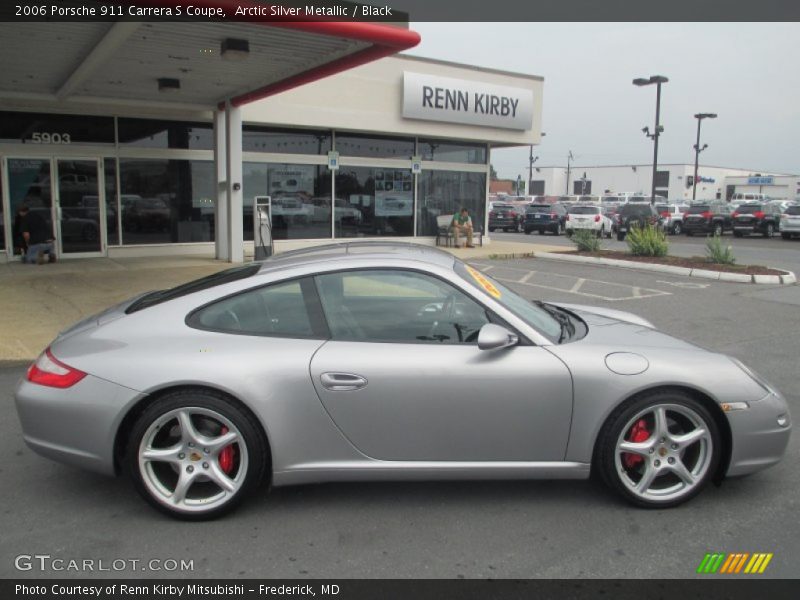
<point>221,208</point>
<point>233,163</point>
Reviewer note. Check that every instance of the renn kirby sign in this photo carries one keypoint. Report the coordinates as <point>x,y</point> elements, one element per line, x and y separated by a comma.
<point>434,98</point>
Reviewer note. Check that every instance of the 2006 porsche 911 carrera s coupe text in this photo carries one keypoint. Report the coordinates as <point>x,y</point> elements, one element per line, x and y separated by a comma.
<point>387,361</point>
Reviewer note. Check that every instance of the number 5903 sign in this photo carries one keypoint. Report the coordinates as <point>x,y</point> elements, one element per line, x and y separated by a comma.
<point>50,138</point>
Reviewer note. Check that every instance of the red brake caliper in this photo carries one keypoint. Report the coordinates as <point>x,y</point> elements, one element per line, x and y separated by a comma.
<point>226,455</point>
<point>638,434</point>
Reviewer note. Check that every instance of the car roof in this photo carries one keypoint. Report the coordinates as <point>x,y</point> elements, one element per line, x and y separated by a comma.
<point>346,252</point>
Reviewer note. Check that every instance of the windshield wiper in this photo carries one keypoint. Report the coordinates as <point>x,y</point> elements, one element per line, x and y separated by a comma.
<point>567,328</point>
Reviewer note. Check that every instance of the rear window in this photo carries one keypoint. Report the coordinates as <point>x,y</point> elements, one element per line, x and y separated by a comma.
<point>698,209</point>
<point>636,209</point>
<point>539,208</point>
<point>749,209</point>
<point>663,208</point>
<point>583,210</point>
<point>204,283</point>
<point>792,210</point>
<point>503,206</point>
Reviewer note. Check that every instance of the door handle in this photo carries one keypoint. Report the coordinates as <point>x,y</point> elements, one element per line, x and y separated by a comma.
<point>342,382</point>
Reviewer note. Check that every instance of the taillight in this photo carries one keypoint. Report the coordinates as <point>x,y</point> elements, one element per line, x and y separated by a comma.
<point>735,213</point>
<point>597,218</point>
<point>49,371</point>
<point>567,217</point>
<point>665,214</point>
<point>553,215</point>
<point>758,214</point>
<point>707,214</point>
<point>492,213</point>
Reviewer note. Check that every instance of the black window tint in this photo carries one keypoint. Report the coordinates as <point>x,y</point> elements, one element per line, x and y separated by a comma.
<point>698,209</point>
<point>278,310</point>
<point>793,210</point>
<point>398,306</point>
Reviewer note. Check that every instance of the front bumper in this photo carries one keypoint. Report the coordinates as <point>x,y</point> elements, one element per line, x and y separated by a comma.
<point>758,440</point>
<point>77,425</point>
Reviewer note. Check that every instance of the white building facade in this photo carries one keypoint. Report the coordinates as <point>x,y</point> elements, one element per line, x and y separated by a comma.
<point>674,181</point>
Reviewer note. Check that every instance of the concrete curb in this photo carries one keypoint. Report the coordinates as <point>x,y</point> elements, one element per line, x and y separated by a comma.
<point>787,279</point>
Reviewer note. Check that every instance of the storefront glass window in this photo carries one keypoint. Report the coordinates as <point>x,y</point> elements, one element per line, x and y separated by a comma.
<point>167,201</point>
<point>285,141</point>
<point>443,193</point>
<point>348,144</point>
<point>29,184</point>
<point>374,202</point>
<point>54,131</point>
<point>452,151</point>
<point>301,201</point>
<point>2,216</point>
<point>112,223</point>
<point>152,133</point>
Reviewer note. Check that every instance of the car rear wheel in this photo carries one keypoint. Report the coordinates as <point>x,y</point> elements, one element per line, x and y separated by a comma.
<point>195,454</point>
<point>738,234</point>
<point>786,236</point>
<point>717,231</point>
<point>659,450</point>
<point>676,228</point>
<point>620,237</point>
<point>770,231</point>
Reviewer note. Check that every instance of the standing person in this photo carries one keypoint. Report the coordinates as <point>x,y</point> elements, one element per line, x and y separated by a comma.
<point>462,225</point>
<point>38,237</point>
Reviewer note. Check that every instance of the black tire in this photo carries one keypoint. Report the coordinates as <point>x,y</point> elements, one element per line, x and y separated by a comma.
<point>528,231</point>
<point>491,229</point>
<point>769,231</point>
<point>786,236</point>
<point>559,229</point>
<point>253,463</point>
<point>717,230</point>
<point>738,234</point>
<point>677,228</point>
<point>616,474</point>
<point>690,234</point>
<point>620,237</point>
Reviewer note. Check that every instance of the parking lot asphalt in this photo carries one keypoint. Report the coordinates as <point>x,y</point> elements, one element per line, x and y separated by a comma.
<point>454,529</point>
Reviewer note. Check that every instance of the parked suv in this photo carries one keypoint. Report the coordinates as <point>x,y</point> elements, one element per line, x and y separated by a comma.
<point>545,217</point>
<point>709,217</point>
<point>756,217</point>
<point>790,221</point>
<point>672,216</point>
<point>503,216</point>
<point>591,217</point>
<point>636,214</point>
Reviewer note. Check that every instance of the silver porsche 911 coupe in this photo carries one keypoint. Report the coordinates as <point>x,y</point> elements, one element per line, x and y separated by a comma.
<point>383,361</point>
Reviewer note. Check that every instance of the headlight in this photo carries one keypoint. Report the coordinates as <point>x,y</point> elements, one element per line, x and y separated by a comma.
<point>755,376</point>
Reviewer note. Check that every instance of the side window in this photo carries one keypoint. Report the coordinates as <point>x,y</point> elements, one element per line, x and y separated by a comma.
<point>398,306</point>
<point>274,310</point>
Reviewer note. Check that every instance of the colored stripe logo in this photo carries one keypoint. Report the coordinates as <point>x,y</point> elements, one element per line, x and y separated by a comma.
<point>734,563</point>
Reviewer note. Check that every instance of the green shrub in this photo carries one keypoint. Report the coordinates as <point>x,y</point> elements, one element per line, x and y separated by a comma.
<point>586,241</point>
<point>647,241</point>
<point>717,253</point>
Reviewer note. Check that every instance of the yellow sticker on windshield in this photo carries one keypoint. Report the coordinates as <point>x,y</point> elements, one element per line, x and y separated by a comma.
<point>484,283</point>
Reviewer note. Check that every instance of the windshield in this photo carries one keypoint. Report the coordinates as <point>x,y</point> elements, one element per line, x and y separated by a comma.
<point>535,316</point>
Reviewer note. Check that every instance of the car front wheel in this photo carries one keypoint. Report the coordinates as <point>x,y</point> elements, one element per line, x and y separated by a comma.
<point>195,454</point>
<point>659,450</point>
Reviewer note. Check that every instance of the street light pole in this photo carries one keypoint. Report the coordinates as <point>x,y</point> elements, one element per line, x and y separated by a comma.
<point>569,159</point>
<point>658,80</point>
<point>698,149</point>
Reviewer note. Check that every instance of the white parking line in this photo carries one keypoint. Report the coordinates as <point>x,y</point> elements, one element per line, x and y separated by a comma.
<point>575,285</point>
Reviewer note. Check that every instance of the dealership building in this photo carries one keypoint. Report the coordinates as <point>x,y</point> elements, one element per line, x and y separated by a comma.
<point>673,181</point>
<point>147,139</point>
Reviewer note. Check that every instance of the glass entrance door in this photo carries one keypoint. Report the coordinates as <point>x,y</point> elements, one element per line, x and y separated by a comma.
<point>78,206</point>
<point>28,184</point>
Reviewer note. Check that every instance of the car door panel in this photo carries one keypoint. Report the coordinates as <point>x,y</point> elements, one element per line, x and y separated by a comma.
<point>446,402</point>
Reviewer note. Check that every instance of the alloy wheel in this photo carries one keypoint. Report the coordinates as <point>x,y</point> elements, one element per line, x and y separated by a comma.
<point>664,453</point>
<point>192,459</point>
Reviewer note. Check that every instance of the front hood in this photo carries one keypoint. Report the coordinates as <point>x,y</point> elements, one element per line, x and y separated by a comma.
<point>620,329</point>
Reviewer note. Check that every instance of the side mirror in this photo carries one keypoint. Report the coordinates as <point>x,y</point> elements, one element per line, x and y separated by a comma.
<point>493,336</point>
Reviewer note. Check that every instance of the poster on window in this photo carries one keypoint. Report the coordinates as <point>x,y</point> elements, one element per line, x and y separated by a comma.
<point>291,189</point>
<point>394,194</point>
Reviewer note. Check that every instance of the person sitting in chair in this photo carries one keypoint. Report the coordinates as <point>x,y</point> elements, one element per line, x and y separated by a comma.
<point>462,225</point>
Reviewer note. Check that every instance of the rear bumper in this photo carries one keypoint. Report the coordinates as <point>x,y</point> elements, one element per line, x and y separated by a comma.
<point>759,441</point>
<point>77,425</point>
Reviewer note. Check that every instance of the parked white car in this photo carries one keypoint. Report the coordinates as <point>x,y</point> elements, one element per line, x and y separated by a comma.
<point>588,217</point>
<point>672,215</point>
